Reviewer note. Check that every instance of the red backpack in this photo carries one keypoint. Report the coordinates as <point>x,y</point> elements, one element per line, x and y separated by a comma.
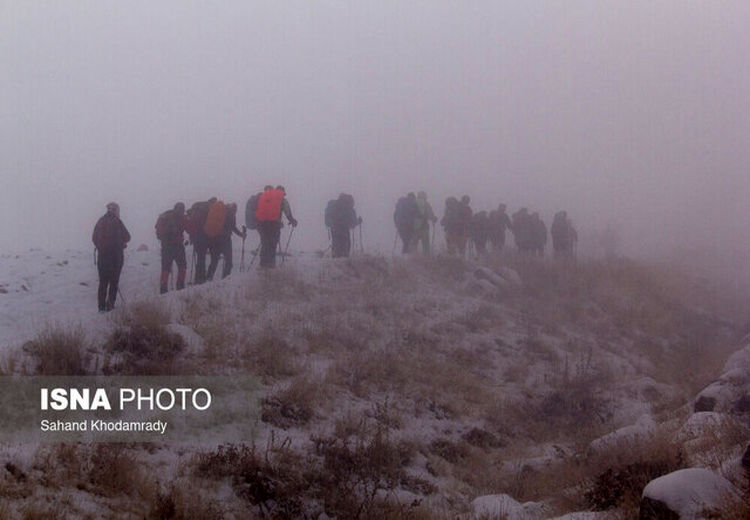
<point>269,206</point>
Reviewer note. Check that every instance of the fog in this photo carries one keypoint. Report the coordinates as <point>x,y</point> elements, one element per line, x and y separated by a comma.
<point>636,113</point>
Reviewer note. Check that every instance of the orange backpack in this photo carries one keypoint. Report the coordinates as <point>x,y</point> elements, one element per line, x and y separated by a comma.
<point>217,214</point>
<point>269,206</point>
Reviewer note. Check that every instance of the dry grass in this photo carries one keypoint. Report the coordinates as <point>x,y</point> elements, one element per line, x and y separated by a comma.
<point>143,350</point>
<point>59,351</point>
<point>184,501</point>
<point>144,313</point>
<point>295,405</point>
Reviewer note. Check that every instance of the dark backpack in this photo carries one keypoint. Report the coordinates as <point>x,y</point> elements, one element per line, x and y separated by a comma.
<point>164,226</point>
<point>330,213</point>
<point>405,212</point>
<point>250,207</point>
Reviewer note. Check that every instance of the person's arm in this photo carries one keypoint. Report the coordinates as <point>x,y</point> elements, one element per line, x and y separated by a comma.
<point>125,235</point>
<point>286,209</point>
<point>95,234</point>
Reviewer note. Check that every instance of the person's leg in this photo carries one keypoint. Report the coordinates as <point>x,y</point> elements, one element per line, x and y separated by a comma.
<point>214,252</point>
<point>226,252</point>
<point>166,267</point>
<point>103,283</point>
<point>200,259</point>
<point>118,262</point>
<point>181,260</point>
<point>267,245</point>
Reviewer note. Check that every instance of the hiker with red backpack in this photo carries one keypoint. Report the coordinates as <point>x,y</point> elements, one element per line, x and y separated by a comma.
<point>169,230</point>
<point>270,206</point>
<point>197,215</point>
<point>110,238</point>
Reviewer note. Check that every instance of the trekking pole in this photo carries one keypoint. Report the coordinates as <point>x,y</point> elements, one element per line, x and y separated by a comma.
<point>283,257</point>
<point>124,302</point>
<point>242,257</point>
<point>192,265</point>
<point>255,255</point>
<point>432,240</point>
<point>361,243</point>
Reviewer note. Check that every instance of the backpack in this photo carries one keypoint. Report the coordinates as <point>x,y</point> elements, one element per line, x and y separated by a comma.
<point>250,208</point>
<point>330,213</point>
<point>108,234</point>
<point>269,206</point>
<point>163,226</point>
<point>404,214</point>
<point>217,214</point>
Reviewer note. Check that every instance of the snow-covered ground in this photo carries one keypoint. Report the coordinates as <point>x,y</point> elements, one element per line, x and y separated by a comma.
<point>513,387</point>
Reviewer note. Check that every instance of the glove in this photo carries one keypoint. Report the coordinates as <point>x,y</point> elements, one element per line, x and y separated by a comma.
<point>293,222</point>
<point>359,221</point>
<point>187,243</point>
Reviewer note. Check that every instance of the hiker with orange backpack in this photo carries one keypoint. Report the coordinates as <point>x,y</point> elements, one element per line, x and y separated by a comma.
<point>110,238</point>
<point>270,206</point>
<point>223,243</point>
<point>169,230</point>
<point>214,226</point>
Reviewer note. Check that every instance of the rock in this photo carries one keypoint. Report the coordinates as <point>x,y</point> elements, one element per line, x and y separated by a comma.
<point>142,247</point>
<point>746,459</point>
<point>685,493</point>
<point>483,273</point>
<point>504,506</point>
<point>704,403</point>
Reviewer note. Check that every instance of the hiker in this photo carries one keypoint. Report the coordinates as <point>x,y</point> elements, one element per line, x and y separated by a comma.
<point>538,235</point>
<point>424,217</point>
<point>197,215</point>
<point>479,232</point>
<point>464,221</point>
<point>213,228</point>
<point>340,218</point>
<point>522,230</point>
<point>222,244</point>
<point>404,217</point>
<point>450,223</point>
<point>563,234</point>
<point>169,230</point>
<point>499,221</point>
<point>271,205</point>
<point>110,238</point>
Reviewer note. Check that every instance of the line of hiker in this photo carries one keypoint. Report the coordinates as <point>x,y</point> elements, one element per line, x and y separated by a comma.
<point>210,225</point>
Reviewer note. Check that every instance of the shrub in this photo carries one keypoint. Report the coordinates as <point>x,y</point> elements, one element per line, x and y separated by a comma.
<point>144,350</point>
<point>59,352</point>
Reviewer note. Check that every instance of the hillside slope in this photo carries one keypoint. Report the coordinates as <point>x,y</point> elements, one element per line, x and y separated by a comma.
<point>424,387</point>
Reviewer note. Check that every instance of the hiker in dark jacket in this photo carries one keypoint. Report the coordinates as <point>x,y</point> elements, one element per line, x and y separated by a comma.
<point>197,215</point>
<point>110,238</point>
<point>539,235</point>
<point>499,221</point>
<point>479,232</point>
<point>422,222</point>
<point>169,230</point>
<point>563,234</point>
<point>404,217</point>
<point>341,218</point>
<point>224,244</point>
<point>464,221</point>
<point>522,230</point>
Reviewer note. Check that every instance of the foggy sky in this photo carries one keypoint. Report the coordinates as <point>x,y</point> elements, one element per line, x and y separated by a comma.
<point>636,112</point>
